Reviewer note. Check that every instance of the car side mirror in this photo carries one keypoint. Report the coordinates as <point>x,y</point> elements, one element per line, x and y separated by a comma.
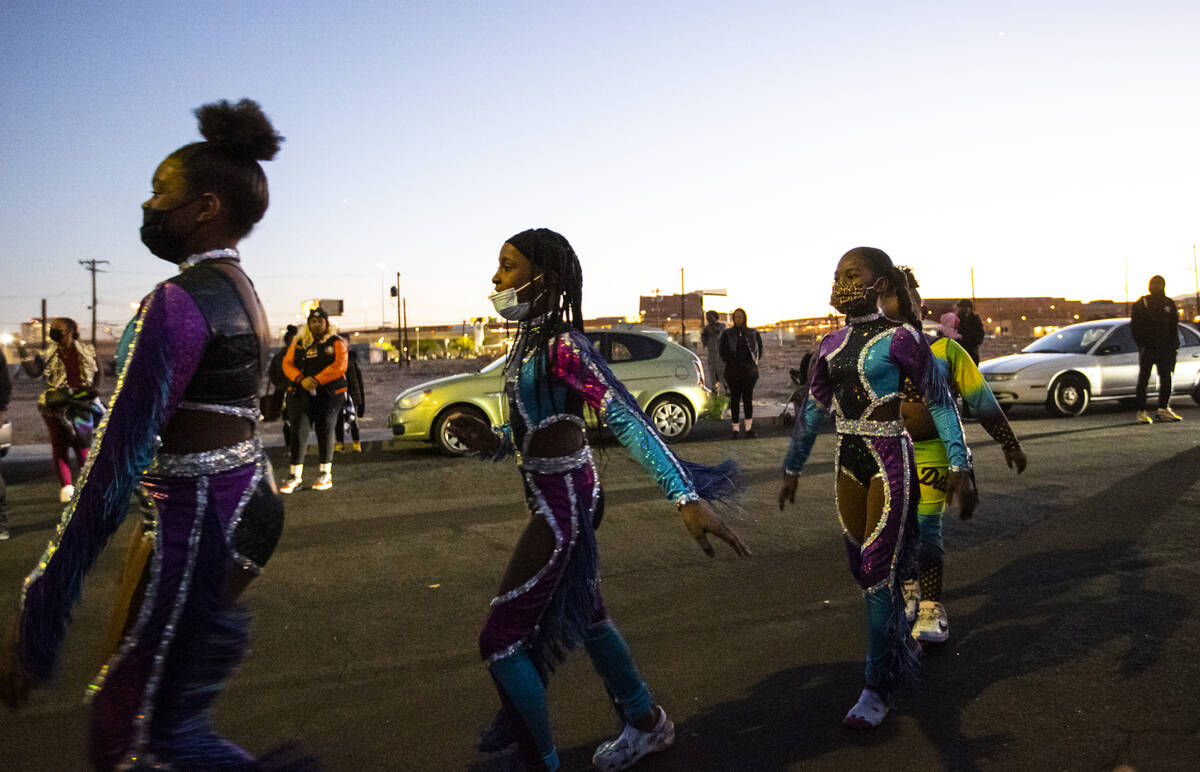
<point>1111,348</point>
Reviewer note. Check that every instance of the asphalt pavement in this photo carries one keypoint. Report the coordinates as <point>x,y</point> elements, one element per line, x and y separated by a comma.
<point>1074,624</point>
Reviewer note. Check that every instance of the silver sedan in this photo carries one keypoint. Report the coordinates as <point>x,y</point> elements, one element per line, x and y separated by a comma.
<point>1074,366</point>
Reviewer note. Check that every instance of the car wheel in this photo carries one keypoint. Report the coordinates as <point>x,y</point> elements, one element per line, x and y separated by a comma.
<point>442,439</point>
<point>671,416</point>
<point>1069,396</point>
<point>1196,394</point>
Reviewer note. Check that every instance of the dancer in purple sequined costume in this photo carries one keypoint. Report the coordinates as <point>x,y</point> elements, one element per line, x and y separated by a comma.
<point>858,375</point>
<point>549,599</point>
<point>183,422</point>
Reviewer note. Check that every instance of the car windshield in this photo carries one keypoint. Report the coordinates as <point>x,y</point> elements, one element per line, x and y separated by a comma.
<point>1076,339</point>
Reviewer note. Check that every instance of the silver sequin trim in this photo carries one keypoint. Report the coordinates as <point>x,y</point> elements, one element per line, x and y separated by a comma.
<point>250,413</point>
<point>866,428</point>
<point>544,510</point>
<point>207,462</point>
<point>142,723</point>
<point>558,464</point>
<point>239,558</point>
<point>212,254</point>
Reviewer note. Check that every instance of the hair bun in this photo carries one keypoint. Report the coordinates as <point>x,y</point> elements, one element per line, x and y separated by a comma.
<point>241,130</point>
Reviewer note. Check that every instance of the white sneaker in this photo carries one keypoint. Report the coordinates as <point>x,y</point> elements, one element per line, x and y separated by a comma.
<point>933,624</point>
<point>324,482</point>
<point>868,712</point>
<point>1144,417</point>
<point>632,744</point>
<point>912,598</point>
<point>1167,414</point>
<point>290,485</point>
<point>65,493</point>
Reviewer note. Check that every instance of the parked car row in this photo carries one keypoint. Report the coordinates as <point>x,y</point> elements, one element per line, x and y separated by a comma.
<point>666,379</point>
<point>1069,369</point>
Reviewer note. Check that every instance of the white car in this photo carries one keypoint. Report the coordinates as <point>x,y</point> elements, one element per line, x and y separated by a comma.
<point>1072,367</point>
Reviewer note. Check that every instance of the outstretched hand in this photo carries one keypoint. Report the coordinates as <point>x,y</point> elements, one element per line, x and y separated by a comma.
<point>473,433</point>
<point>700,521</point>
<point>962,486</point>
<point>15,681</point>
<point>787,490</point>
<point>1015,459</point>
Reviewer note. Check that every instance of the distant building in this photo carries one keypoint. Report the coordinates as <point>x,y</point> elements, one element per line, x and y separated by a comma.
<point>1028,317</point>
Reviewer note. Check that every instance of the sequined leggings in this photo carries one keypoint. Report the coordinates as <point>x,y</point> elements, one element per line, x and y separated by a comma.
<point>885,553</point>
<point>531,627</point>
<point>151,702</point>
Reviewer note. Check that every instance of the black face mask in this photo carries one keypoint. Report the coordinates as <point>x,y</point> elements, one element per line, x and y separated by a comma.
<point>56,335</point>
<point>160,243</point>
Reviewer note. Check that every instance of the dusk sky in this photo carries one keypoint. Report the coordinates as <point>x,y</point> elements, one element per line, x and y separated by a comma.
<point>1044,143</point>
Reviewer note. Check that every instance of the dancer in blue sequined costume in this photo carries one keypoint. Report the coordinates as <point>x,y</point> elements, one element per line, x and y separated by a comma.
<point>549,599</point>
<point>858,376</point>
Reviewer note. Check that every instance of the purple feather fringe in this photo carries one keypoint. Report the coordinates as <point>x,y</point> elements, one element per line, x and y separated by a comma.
<point>125,449</point>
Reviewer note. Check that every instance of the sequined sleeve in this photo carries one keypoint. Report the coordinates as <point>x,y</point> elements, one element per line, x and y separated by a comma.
<point>912,354</point>
<point>969,383</point>
<point>159,355</point>
<point>575,363</point>
<point>808,422</point>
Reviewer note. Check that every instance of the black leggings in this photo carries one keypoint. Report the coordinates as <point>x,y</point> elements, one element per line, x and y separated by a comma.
<point>741,389</point>
<point>1164,363</point>
<point>318,412</point>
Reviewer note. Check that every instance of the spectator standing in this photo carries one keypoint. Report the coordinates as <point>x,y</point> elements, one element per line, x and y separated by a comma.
<point>710,338</point>
<point>316,365</point>
<point>970,328</point>
<point>355,406</point>
<point>741,350</point>
<point>5,395</point>
<point>68,404</point>
<point>1154,322</point>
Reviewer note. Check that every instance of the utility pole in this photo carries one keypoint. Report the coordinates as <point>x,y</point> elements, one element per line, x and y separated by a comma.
<point>399,318</point>
<point>90,265</point>
<point>972,285</point>
<point>1127,286</point>
<point>682,312</point>
<point>43,321</point>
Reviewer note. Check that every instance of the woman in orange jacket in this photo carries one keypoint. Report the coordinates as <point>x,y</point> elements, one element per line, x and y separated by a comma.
<point>315,364</point>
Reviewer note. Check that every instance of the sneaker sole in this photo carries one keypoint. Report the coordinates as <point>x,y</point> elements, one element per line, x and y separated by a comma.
<point>933,636</point>
<point>666,740</point>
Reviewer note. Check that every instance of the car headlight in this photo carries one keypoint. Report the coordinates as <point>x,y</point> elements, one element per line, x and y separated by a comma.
<point>412,399</point>
<point>994,377</point>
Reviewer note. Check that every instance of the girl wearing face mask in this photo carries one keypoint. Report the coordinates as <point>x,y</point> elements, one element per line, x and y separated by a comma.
<point>72,383</point>
<point>183,421</point>
<point>549,598</point>
<point>858,375</point>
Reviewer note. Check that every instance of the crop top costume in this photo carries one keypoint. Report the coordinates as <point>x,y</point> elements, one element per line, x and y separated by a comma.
<point>577,376</point>
<point>860,367</point>
<point>962,374</point>
<point>198,342</point>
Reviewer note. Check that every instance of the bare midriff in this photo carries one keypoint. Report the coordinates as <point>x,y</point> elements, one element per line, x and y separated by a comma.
<point>196,431</point>
<point>918,421</point>
<point>888,411</point>
<point>561,438</point>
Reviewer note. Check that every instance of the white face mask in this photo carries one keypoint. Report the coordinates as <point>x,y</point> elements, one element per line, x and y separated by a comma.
<point>507,305</point>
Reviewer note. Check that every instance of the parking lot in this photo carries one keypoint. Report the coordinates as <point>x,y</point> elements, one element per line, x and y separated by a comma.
<point>1073,640</point>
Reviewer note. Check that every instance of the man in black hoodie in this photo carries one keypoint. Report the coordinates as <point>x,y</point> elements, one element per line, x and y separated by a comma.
<point>1154,323</point>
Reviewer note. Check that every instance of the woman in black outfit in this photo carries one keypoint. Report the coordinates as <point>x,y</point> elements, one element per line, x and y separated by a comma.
<point>741,348</point>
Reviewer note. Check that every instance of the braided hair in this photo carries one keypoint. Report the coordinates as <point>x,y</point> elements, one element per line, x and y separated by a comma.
<point>562,278</point>
<point>236,138</point>
<point>882,267</point>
